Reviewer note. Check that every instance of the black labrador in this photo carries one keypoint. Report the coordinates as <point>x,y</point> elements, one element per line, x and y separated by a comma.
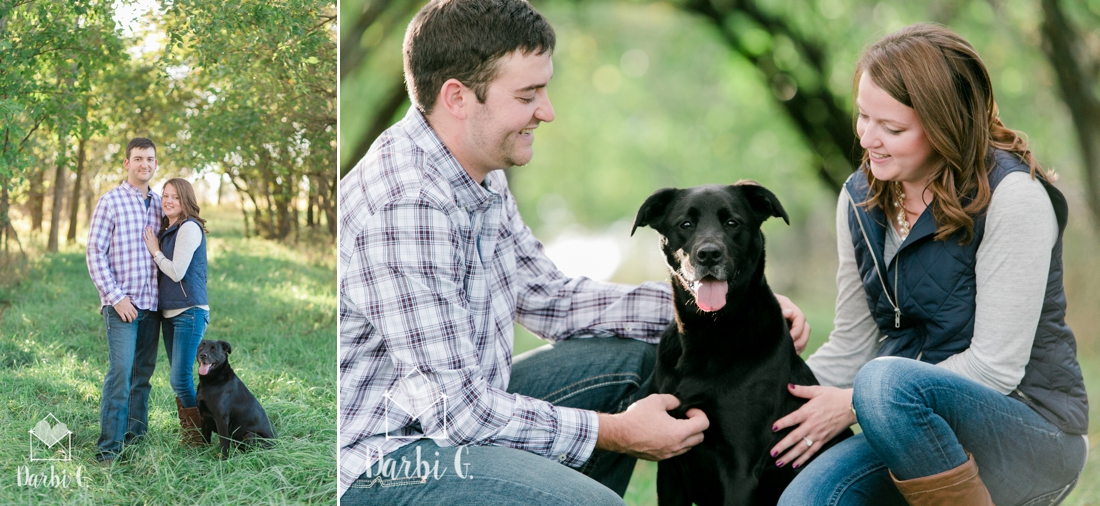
<point>225,404</point>
<point>728,352</point>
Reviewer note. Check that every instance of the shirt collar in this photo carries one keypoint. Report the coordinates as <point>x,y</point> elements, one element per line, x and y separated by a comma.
<point>135,190</point>
<point>468,194</point>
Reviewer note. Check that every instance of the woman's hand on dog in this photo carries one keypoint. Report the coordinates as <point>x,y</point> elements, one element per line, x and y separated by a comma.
<point>646,430</point>
<point>827,413</point>
<point>796,321</point>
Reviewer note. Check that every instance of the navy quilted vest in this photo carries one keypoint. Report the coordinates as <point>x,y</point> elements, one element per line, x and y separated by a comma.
<point>935,290</point>
<point>191,290</point>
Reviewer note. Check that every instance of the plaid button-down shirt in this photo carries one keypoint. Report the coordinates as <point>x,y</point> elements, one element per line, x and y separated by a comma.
<point>434,270</point>
<point>118,261</point>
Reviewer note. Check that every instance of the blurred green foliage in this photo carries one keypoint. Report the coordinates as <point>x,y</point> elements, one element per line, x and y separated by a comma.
<point>648,95</point>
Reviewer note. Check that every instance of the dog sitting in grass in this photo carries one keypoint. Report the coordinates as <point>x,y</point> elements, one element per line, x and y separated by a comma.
<point>226,405</point>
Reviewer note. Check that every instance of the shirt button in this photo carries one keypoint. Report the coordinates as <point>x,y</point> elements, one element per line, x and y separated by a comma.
<point>562,457</point>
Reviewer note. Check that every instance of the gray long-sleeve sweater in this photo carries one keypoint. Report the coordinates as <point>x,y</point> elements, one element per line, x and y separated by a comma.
<point>1012,266</point>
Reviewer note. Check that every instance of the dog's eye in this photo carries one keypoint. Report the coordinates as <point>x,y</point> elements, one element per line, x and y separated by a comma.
<point>732,223</point>
<point>686,225</point>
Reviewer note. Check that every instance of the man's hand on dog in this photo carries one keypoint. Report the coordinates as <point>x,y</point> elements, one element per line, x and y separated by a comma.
<point>800,328</point>
<point>646,430</point>
<point>826,414</point>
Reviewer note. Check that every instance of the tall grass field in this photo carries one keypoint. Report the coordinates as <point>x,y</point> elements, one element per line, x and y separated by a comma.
<point>274,303</point>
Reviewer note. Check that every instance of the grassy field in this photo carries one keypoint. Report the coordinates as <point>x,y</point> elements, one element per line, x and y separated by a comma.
<point>276,306</point>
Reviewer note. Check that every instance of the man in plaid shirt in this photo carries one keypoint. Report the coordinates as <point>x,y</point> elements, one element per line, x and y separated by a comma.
<point>435,267</point>
<point>126,277</point>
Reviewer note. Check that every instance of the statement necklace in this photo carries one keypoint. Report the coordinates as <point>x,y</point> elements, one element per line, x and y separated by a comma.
<point>903,222</point>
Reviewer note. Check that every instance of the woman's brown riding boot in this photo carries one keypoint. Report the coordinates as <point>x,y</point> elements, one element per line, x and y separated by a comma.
<point>960,485</point>
<point>190,421</point>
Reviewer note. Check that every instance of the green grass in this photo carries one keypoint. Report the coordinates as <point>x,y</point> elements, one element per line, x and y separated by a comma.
<point>274,304</point>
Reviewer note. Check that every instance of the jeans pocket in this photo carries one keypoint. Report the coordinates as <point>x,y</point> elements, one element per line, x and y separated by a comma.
<point>1052,498</point>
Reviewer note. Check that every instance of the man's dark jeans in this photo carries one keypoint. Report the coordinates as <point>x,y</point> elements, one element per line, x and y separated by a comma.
<point>124,408</point>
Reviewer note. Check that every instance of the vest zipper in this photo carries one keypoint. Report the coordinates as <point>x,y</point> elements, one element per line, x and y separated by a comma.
<point>885,289</point>
<point>181,288</point>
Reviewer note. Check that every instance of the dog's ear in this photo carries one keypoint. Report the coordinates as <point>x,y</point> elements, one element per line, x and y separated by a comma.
<point>763,201</point>
<point>653,208</point>
<point>228,349</point>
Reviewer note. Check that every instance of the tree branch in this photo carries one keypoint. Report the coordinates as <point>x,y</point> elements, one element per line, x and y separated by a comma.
<point>1066,52</point>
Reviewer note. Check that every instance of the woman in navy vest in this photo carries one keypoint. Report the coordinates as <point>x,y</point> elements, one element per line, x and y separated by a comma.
<point>180,253</point>
<point>950,245</point>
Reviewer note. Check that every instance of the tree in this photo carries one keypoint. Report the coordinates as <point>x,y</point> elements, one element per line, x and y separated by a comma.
<point>263,106</point>
<point>1077,70</point>
<point>52,52</point>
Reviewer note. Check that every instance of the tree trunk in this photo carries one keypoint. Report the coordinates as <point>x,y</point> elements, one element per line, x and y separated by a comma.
<point>221,188</point>
<point>311,201</point>
<point>60,175</point>
<point>74,202</point>
<point>90,194</point>
<point>328,204</point>
<point>4,220</point>
<point>828,131</point>
<point>36,197</point>
<point>241,193</point>
<point>1068,54</point>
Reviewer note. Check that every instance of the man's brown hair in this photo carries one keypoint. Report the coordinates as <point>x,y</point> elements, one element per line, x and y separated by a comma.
<point>464,40</point>
<point>140,143</point>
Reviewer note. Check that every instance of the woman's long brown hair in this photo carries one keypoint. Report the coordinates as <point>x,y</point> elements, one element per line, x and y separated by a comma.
<point>939,74</point>
<point>189,205</point>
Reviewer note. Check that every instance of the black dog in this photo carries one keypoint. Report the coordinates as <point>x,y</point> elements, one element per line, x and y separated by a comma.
<point>729,351</point>
<point>225,404</point>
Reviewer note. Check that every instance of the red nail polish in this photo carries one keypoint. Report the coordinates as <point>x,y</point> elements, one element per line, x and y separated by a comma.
<point>794,466</point>
<point>790,385</point>
<point>774,454</point>
<point>778,464</point>
<point>775,428</point>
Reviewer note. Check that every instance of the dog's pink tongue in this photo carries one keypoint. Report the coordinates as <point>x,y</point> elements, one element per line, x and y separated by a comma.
<point>710,295</point>
<point>203,368</point>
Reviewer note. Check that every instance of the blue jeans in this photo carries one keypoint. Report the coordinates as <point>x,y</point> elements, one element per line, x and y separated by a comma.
<point>919,420</point>
<point>124,407</point>
<point>182,334</point>
<point>600,374</point>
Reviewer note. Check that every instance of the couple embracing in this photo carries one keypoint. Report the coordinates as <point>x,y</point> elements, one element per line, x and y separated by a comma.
<point>147,257</point>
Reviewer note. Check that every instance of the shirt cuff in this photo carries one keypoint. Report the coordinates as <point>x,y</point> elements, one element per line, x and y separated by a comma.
<point>115,297</point>
<point>577,431</point>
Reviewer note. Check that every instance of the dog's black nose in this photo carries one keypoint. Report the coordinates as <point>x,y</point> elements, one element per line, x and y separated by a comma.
<point>708,255</point>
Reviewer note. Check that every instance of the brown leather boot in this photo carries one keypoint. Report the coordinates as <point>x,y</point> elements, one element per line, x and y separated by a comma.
<point>959,486</point>
<point>190,421</point>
